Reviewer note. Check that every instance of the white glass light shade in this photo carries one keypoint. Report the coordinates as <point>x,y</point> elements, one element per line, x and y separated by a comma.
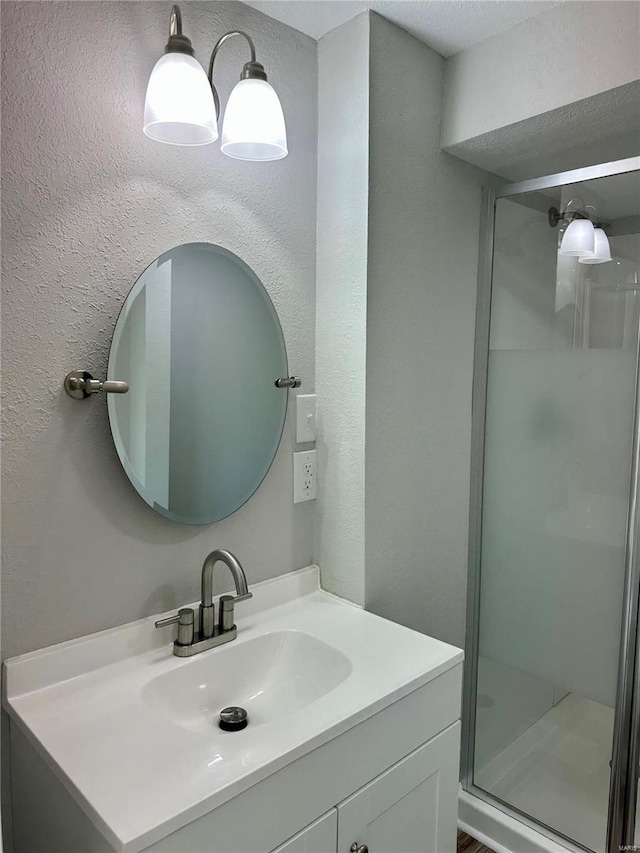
<point>602,250</point>
<point>253,127</point>
<point>179,105</point>
<point>578,240</point>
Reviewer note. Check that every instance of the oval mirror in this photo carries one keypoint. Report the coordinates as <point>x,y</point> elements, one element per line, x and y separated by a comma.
<point>199,342</point>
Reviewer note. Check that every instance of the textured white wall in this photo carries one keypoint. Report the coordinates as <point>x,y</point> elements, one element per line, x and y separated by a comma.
<point>557,92</point>
<point>88,201</point>
<point>341,306</point>
<point>562,56</point>
<point>398,224</point>
<point>424,209</point>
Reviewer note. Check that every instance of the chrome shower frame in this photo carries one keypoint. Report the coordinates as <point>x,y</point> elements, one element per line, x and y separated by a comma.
<point>626,736</point>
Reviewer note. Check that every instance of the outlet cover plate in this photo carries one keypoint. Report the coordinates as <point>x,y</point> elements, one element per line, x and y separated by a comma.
<point>304,476</point>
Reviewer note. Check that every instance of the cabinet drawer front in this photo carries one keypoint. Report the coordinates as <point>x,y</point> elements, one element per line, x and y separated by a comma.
<point>320,837</point>
<point>412,807</point>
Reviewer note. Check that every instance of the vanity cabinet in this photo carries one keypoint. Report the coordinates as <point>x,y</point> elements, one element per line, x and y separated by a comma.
<point>410,808</point>
<point>390,782</point>
<point>105,765</point>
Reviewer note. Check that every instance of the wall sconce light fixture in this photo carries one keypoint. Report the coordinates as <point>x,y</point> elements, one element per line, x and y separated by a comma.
<point>182,105</point>
<point>585,240</point>
<point>601,249</point>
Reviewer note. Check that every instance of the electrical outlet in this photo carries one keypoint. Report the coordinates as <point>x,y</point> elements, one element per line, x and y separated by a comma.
<point>304,476</point>
<point>306,429</point>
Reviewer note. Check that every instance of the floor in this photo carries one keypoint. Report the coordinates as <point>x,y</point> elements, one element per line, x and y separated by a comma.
<point>558,770</point>
<point>466,844</point>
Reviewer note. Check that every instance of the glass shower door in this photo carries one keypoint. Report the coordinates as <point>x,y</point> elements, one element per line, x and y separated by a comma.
<point>560,400</point>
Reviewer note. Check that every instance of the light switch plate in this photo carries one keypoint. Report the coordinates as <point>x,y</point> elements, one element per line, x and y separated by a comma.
<point>306,428</point>
<point>304,476</point>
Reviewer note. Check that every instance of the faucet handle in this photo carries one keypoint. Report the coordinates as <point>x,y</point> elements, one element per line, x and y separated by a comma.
<point>184,619</point>
<point>226,609</point>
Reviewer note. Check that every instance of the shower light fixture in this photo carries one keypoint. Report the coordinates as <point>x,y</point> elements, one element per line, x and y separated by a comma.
<point>601,251</point>
<point>182,105</point>
<point>583,239</point>
<point>578,240</point>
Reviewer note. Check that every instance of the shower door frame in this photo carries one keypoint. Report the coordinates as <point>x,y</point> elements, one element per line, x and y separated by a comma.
<point>626,735</point>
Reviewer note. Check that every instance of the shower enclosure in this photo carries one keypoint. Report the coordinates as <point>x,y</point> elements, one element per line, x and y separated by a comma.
<point>552,695</point>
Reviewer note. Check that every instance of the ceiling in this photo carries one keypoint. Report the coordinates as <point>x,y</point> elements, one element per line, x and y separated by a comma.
<point>448,26</point>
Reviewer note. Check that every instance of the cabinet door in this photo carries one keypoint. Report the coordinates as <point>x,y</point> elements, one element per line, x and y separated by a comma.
<point>318,837</point>
<point>412,807</point>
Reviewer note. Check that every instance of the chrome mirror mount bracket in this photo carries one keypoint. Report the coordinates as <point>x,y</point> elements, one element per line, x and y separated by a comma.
<point>80,384</point>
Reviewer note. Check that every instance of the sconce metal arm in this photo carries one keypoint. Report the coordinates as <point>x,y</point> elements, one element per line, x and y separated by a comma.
<point>250,69</point>
<point>175,21</point>
<point>177,43</point>
<point>556,216</point>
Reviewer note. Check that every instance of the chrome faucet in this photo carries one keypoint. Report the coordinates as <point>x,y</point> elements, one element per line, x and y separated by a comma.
<point>225,609</point>
<point>190,642</point>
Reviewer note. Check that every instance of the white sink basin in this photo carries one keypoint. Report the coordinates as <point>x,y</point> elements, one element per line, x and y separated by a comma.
<point>270,676</point>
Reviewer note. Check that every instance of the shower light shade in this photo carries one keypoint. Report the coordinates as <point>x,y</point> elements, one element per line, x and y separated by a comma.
<point>602,250</point>
<point>179,105</point>
<point>253,127</point>
<point>578,240</point>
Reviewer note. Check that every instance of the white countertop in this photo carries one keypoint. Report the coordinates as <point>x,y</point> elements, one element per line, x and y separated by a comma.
<point>140,776</point>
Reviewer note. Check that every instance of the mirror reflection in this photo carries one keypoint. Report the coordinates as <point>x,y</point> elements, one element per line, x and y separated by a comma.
<point>199,342</point>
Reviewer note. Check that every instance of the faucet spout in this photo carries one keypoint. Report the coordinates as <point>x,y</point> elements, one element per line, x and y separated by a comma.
<point>220,555</point>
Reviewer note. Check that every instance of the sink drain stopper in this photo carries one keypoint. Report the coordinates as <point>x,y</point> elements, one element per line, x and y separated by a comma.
<point>233,719</point>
